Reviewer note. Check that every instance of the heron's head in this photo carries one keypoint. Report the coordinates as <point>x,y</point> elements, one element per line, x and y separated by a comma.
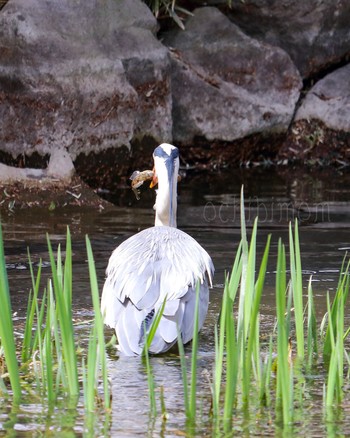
<point>166,164</point>
<point>166,169</point>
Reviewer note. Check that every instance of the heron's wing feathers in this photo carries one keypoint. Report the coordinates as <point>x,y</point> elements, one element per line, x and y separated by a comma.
<point>157,262</point>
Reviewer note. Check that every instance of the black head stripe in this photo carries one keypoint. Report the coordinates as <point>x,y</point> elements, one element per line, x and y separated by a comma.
<point>160,152</point>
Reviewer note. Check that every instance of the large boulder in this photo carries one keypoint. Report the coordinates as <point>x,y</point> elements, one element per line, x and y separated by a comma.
<point>321,127</point>
<point>329,101</point>
<point>226,85</point>
<point>315,33</point>
<point>83,76</point>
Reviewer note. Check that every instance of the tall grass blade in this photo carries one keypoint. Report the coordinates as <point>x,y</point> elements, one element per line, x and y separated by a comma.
<point>150,378</point>
<point>236,273</point>
<point>254,325</point>
<point>312,345</point>
<point>249,291</point>
<point>41,378</point>
<point>90,389</point>
<point>6,326</point>
<point>31,306</point>
<point>148,338</point>
<point>245,255</point>
<point>232,364</point>
<point>99,326</point>
<point>63,295</point>
<point>264,393</point>
<point>219,353</point>
<point>284,379</point>
<point>193,387</point>
<point>336,364</point>
<point>190,388</point>
<point>184,374</point>
<point>297,286</point>
<point>155,323</point>
<point>49,365</point>
<point>341,295</point>
<point>332,368</point>
<point>230,292</point>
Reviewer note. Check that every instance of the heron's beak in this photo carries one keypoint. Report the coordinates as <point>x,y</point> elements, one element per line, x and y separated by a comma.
<point>154,181</point>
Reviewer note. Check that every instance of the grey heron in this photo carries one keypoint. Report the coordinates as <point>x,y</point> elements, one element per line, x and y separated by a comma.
<point>158,263</point>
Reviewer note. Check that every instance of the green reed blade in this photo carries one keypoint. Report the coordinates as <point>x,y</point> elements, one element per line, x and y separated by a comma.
<point>183,373</point>
<point>56,349</point>
<point>289,308</point>
<point>296,277</point>
<point>150,378</point>
<point>190,389</point>
<point>27,346</point>
<point>63,304</point>
<point>43,341</point>
<point>264,393</point>
<point>48,362</point>
<point>68,275</point>
<point>6,326</point>
<point>219,358</point>
<point>284,379</point>
<point>98,322</point>
<point>332,368</point>
<point>236,272</point>
<point>341,295</point>
<point>91,378</point>
<point>312,344</point>
<point>340,351</point>
<point>155,323</point>
<point>28,329</point>
<point>193,387</point>
<point>247,271</point>
<point>250,280</point>
<point>254,324</point>
<point>230,292</point>
<point>40,321</point>
<point>41,375</point>
<point>245,254</point>
<point>256,355</point>
<point>232,364</point>
<point>216,383</point>
<point>84,380</point>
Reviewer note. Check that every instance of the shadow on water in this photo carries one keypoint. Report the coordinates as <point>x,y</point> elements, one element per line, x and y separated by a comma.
<point>209,211</point>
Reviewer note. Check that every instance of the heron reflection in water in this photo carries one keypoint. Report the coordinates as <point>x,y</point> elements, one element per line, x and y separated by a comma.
<point>155,264</point>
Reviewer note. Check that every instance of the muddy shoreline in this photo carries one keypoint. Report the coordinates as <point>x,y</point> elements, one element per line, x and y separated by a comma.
<point>49,194</point>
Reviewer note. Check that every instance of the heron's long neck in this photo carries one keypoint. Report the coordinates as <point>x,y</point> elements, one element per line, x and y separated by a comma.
<point>166,203</point>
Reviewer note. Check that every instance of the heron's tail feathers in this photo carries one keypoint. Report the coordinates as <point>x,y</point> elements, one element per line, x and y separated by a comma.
<point>178,315</point>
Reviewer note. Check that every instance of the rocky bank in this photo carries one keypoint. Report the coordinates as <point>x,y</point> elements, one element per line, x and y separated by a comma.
<point>91,87</point>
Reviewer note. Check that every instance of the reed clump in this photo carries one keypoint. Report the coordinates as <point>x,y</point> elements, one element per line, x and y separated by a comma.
<point>47,354</point>
<point>271,375</point>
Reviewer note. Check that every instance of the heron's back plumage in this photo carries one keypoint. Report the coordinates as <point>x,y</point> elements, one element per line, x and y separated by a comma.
<point>156,264</point>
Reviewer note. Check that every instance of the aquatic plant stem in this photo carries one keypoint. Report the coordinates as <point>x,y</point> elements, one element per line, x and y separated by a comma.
<point>63,295</point>
<point>6,327</point>
<point>98,324</point>
<point>297,286</point>
<point>284,368</point>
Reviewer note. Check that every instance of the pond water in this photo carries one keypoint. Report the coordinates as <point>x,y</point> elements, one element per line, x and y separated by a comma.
<point>209,211</point>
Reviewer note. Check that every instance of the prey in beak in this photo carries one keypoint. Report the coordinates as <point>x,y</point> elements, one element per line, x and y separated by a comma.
<point>154,181</point>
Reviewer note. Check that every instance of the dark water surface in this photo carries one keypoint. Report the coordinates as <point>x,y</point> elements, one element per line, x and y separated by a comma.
<point>209,211</point>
